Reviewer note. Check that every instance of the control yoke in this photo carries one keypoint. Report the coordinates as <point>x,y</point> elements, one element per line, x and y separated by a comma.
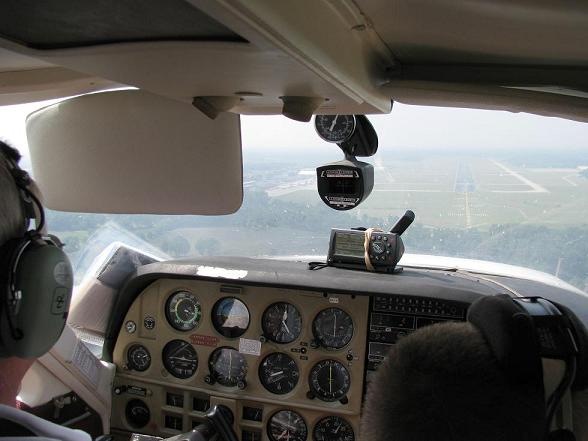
<point>218,426</point>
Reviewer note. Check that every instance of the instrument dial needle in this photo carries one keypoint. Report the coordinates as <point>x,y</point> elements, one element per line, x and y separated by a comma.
<point>333,123</point>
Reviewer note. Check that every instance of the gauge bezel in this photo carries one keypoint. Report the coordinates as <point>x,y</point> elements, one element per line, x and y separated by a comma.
<point>335,140</point>
<point>317,392</point>
<point>214,372</point>
<point>331,417</point>
<point>130,364</point>
<point>263,379</point>
<point>137,403</point>
<point>168,314</point>
<point>170,369</point>
<point>319,338</point>
<point>270,335</point>
<point>269,424</point>
<point>229,332</point>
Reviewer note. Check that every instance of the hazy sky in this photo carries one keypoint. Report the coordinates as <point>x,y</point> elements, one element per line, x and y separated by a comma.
<point>406,127</point>
<point>431,127</point>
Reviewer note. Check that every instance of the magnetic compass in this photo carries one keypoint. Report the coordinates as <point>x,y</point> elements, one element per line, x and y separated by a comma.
<point>335,128</point>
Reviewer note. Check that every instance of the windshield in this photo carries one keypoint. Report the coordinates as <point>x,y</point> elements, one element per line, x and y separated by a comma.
<point>488,185</point>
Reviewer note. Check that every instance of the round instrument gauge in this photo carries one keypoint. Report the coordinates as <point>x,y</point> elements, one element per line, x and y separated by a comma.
<point>228,367</point>
<point>333,428</point>
<point>332,328</point>
<point>183,311</point>
<point>329,380</point>
<point>281,322</point>
<point>138,358</point>
<point>180,359</point>
<point>230,317</point>
<point>286,425</point>
<point>335,128</point>
<point>137,414</point>
<point>279,373</point>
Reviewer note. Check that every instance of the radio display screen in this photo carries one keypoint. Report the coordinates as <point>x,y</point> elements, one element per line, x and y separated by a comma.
<point>347,244</point>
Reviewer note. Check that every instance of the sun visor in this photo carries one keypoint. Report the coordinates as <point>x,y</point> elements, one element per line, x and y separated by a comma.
<point>130,151</point>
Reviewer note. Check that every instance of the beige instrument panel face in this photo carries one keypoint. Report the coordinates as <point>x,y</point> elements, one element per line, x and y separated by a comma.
<point>174,405</point>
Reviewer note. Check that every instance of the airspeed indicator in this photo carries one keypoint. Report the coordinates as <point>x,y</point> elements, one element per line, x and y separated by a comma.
<point>183,311</point>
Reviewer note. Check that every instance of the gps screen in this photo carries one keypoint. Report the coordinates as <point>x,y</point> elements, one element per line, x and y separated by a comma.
<point>349,245</point>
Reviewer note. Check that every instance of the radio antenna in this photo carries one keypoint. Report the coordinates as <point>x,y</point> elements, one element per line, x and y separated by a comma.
<point>403,223</point>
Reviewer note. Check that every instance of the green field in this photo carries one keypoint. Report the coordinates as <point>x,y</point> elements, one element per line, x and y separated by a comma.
<point>470,207</point>
<point>469,193</point>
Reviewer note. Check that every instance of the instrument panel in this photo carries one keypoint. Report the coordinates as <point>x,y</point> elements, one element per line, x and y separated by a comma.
<point>289,364</point>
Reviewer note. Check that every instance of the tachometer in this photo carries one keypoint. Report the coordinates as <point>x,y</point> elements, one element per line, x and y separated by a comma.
<point>228,367</point>
<point>335,128</point>
<point>332,328</point>
<point>329,380</point>
<point>138,358</point>
<point>180,359</point>
<point>183,311</point>
<point>281,322</point>
<point>333,428</point>
<point>230,317</point>
<point>279,373</point>
<point>287,425</point>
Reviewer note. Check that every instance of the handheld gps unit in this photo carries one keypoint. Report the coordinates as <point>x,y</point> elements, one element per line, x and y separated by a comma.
<point>368,249</point>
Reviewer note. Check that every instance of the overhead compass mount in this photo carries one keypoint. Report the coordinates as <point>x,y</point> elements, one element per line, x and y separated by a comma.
<point>343,185</point>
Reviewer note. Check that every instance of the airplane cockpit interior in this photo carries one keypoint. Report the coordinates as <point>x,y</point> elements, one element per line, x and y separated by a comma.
<point>296,220</point>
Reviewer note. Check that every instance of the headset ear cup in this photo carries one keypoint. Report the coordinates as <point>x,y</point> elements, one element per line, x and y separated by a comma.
<point>9,253</point>
<point>45,278</point>
<point>511,335</point>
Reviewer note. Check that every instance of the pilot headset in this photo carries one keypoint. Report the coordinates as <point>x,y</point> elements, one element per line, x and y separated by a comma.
<point>523,331</point>
<point>36,278</point>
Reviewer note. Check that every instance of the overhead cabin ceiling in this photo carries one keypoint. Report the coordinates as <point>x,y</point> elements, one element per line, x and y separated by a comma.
<point>498,32</point>
<point>76,23</point>
<point>349,56</point>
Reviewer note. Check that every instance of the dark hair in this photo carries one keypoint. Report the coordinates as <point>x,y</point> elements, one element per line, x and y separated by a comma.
<point>12,218</point>
<point>443,383</point>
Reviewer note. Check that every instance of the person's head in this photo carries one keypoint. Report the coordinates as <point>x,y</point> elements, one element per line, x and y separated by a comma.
<point>443,383</point>
<point>13,224</point>
<point>35,277</point>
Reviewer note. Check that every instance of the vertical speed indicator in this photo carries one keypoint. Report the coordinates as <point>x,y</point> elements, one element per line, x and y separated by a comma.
<point>279,373</point>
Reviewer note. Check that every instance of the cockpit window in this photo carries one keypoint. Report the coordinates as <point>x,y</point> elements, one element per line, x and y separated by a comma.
<point>485,185</point>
